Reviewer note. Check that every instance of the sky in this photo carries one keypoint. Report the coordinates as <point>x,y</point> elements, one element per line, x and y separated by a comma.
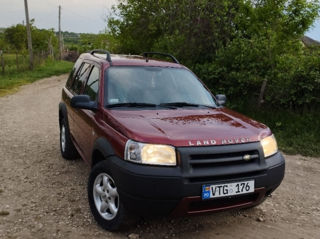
<point>314,31</point>
<point>82,16</point>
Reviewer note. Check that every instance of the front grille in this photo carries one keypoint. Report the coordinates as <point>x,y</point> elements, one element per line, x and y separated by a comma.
<point>213,160</point>
<point>208,163</point>
<point>226,177</point>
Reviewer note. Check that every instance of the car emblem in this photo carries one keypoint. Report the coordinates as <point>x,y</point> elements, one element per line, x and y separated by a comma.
<point>246,157</point>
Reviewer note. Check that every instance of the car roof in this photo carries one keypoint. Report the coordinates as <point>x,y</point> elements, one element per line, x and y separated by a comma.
<point>128,60</point>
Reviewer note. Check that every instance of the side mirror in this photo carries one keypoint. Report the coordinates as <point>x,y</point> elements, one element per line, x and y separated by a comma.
<point>221,99</point>
<point>83,102</point>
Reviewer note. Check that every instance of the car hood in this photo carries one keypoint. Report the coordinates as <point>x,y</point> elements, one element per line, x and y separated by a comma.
<point>187,127</point>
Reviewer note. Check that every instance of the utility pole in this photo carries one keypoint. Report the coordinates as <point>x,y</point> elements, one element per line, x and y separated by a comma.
<point>60,36</point>
<point>29,35</point>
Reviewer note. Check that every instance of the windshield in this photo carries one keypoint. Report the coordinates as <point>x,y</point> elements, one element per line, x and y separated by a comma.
<point>156,86</point>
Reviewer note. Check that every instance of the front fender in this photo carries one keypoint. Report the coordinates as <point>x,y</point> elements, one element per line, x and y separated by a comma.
<point>103,146</point>
<point>63,113</point>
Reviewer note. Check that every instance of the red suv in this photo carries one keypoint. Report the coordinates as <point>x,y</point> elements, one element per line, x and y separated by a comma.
<point>159,142</point>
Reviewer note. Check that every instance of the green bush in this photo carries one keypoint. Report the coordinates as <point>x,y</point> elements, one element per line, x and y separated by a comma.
<point>293,77</point>
<point>297,82</point>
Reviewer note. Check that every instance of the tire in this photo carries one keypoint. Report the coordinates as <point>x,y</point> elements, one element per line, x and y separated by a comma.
<point>67,148</point>
<point>104,199</point>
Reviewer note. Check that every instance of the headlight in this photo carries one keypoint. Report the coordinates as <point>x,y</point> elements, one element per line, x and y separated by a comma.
<point>269,146</point>
<point>156,154</point>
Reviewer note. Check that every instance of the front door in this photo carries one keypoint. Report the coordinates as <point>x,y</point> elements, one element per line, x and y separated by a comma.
<point>85,119</point>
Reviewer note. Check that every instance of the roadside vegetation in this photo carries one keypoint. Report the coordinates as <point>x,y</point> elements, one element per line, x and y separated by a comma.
<point>249,50</point>
<point>84,42</point>
<point>11,81</point>
<point>14,65</point>
<point>14,59</point>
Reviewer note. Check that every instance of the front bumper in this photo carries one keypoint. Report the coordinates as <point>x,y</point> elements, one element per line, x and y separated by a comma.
<point>145,189</point>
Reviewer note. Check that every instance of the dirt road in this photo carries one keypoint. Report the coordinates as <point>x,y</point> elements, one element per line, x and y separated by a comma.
<point>44,196</point>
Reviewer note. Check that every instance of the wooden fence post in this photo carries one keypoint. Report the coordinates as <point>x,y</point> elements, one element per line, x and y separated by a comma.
<point>2,62</point>
<point>17,61</point>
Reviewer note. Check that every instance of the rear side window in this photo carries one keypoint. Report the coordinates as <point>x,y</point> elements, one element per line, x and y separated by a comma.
<point>92,85</point>
<point>73,73</point>
<point>80,78</point>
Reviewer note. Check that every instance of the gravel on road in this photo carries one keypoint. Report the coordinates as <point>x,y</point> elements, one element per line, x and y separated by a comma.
<point>44,196</point>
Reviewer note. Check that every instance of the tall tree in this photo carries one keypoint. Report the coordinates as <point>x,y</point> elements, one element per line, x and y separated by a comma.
<point>193,30</point>
<point>196,30</point>
<point>238,47</point>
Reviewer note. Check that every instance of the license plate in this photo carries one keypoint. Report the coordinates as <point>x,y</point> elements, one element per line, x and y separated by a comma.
<point>227,189</point>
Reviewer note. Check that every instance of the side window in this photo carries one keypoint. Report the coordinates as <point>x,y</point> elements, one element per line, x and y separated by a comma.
<point>81,78</point>
<point>92,85</point>
<point>73,73</point>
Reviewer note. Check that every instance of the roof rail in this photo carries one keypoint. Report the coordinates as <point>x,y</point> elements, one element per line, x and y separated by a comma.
<point>145,54</point>
<point>108,58</point>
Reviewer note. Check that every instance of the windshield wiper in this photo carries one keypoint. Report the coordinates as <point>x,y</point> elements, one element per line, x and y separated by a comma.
<point>133,104</point>
<point>182,104</point>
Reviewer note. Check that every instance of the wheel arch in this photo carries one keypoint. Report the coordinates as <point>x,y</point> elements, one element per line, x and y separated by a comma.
<point>63,113</point>
<point>102,149</point>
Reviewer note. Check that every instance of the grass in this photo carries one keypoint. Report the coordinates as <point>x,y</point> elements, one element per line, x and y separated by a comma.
<point>295,133</point>
<point>9,82</point>
<point>11,63</point>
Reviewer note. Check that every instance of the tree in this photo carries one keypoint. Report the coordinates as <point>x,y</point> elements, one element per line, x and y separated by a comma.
<point>234,46</point>
<point>192,30</point>
<point>16,37</point>
<point>42,39</point>
<point>270,29</point>
<point>3,44</point>
<point>93,41</point>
